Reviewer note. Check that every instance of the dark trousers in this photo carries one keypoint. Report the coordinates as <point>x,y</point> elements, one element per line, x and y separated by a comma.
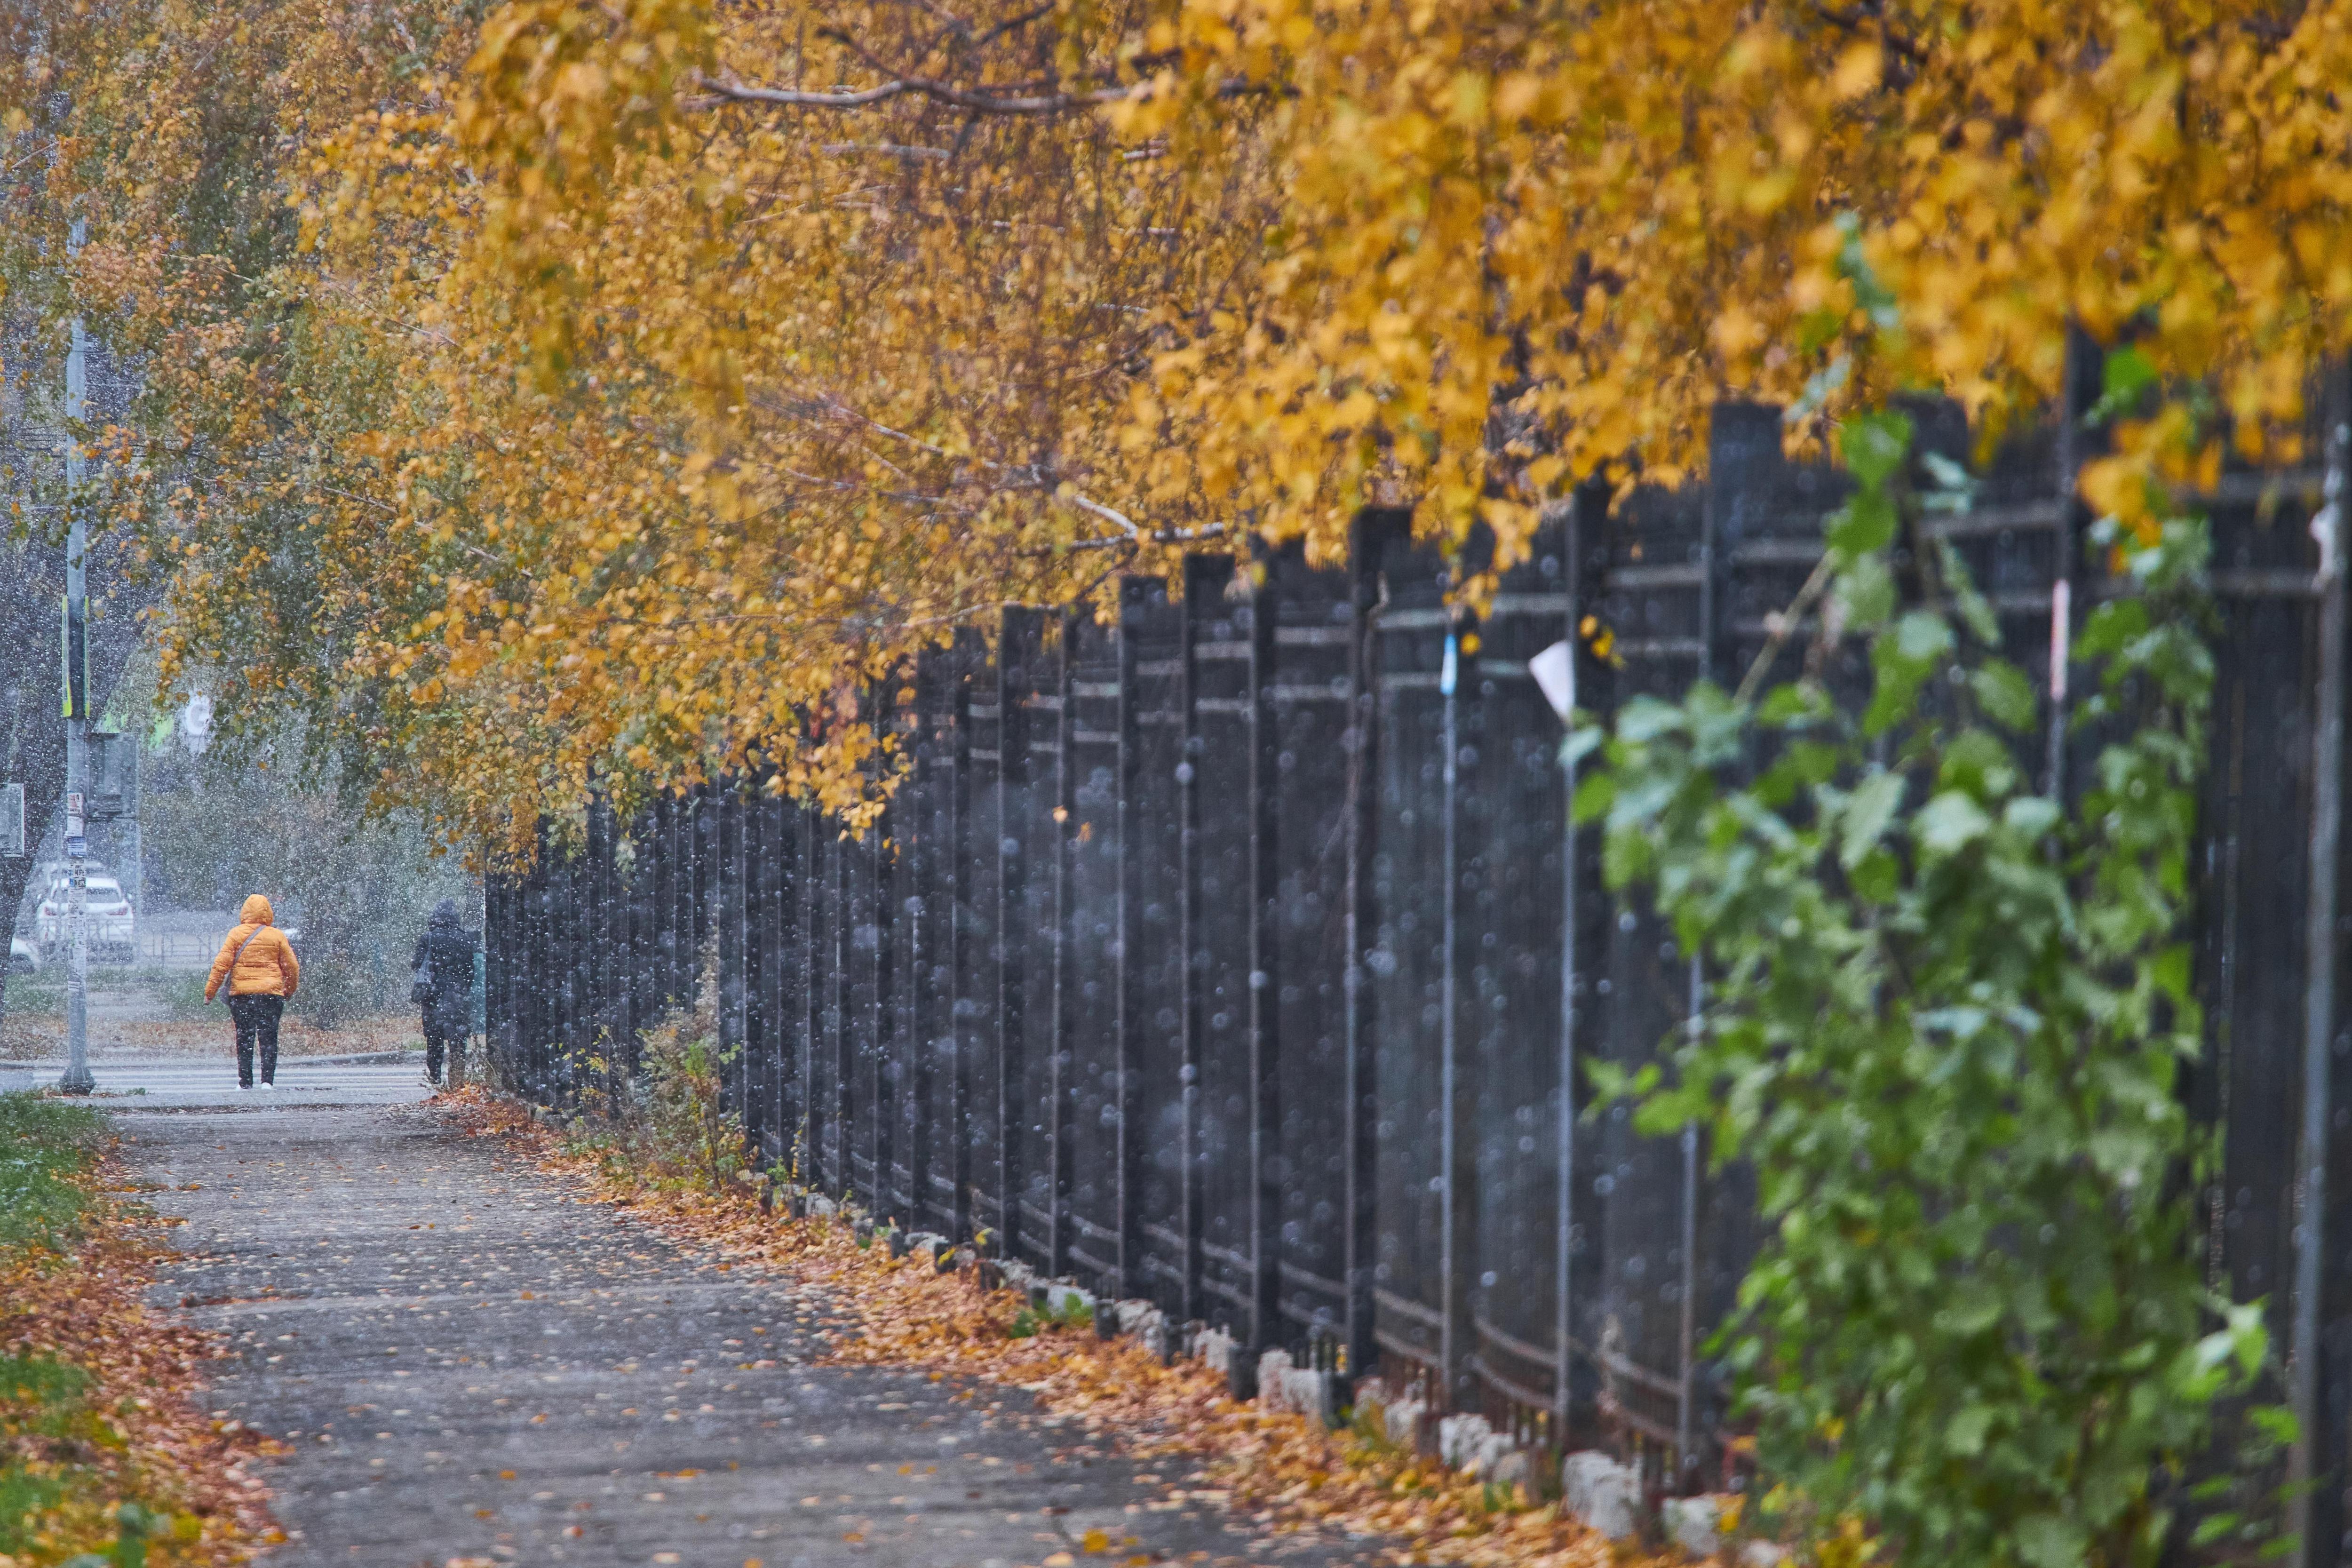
<point>440,1037</point>
<point>256,1019</point>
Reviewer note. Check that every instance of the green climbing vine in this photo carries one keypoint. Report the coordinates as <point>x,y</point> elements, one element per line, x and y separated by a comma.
<point>1946,1014</point>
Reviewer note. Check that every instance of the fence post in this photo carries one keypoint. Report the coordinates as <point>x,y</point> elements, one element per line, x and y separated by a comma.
<point>1372,531</point>
<point>705,906</point>
<point>1061,1139</point>
<point>1132,1129</point>
<point>563,964</point>
<point>1017,651</point>
<point>1265,982</point>
<point>517,981</point>
<point>1457,1125</point>
<point>496,927</point>
<point>725,893</point>
<point>596,858</point>
<point>814,857</point>
<point>843,898</point>
<point>645,931</point>
<point>781,872</point>
<point>755,1071</point>
<point>888,1087</point>
<point>662,969</point>
<point>2308,1456</point>
<point>1564,1128</point>
<point>535,986</point>
<point>967,653</point>
<point>929,1033</point>
<point>1743,458</point>
<point>1205,581</point>
<point>612,978</point>
<point>2084,374</point>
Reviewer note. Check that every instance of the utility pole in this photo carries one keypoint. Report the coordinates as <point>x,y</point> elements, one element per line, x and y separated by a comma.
<point>78,1078</point>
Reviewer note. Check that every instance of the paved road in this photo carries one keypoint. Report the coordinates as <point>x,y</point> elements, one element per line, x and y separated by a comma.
<point>186,1082</point>
<point>470,1366</point>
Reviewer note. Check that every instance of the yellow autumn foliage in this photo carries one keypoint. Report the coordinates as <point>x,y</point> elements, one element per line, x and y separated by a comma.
<point>606,392</point>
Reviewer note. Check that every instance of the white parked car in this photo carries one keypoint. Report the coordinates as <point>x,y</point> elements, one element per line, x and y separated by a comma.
<point>113,929</point>
<point>22,958</point>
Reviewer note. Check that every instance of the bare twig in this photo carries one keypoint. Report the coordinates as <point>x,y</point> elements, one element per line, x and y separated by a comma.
<point>891,149</point>
<point>1097,509</point>
<point>1790,619</point>
<point>730,89</point>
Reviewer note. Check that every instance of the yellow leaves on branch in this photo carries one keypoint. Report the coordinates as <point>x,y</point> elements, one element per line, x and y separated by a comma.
<point>642,379</point>
<point>1569,232</point>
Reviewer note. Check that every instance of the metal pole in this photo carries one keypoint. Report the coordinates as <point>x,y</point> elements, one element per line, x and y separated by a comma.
<point>1563,1272</point>
<point>77,1079</point>
<point>1685,1395</point>
<point>2318,999</point>
<point>1453,1328</point>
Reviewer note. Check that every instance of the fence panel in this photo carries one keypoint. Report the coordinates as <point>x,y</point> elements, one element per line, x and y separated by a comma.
<point>1220,953</point>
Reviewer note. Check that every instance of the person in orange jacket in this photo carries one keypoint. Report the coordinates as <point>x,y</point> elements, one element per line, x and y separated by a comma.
<point>258,963</point>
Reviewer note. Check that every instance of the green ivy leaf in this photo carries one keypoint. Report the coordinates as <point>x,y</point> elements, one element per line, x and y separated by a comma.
<point>1595,793</point>
<point>2125,378</point>
<point>1863,524</point>
<point>2051,1541</point>
<point>1868,811</point>
<point>1873,447</point>
<point>1965,1435</point>
<point>1645,719</point>
<point>2030,816</point>
<point>1865,593</point>
<point>2006,696</point>
<point>1876,877</point>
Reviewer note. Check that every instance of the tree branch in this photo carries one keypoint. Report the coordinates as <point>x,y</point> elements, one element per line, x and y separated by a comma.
<point>728,90</point>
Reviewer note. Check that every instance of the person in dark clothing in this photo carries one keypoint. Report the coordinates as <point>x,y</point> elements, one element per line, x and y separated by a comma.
<point>443,987</point>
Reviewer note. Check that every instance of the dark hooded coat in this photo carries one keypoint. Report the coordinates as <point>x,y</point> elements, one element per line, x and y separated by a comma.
<point>443,960</point>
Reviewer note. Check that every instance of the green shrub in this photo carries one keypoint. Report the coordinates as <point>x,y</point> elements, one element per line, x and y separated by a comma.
<point>671,1124</point>
<point>1946,1019</point>
<point>688,1131</point>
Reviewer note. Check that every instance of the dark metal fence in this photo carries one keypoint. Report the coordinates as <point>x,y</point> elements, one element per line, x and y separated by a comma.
<point>1220,955</point>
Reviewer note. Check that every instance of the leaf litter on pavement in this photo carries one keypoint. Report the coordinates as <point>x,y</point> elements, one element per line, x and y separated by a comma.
<point>1275,1469</point>
<point>106,1453</point>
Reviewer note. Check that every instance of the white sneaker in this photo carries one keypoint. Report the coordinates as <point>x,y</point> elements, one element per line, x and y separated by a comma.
<point>244,1088</point>
<point>265,1084</point>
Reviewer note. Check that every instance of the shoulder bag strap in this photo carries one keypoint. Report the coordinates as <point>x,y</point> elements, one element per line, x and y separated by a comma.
<point>228,981</point>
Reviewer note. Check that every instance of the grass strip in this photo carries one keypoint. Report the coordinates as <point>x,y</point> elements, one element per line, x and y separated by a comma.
<point>105,1460</point>
<point>48,1148</point>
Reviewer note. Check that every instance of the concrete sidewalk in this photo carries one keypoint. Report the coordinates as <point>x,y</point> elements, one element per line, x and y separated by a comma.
<point>470,1366</point>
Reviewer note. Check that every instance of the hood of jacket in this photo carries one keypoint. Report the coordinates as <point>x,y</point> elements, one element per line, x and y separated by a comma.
<point>444,916</point>
<point>255,912</point>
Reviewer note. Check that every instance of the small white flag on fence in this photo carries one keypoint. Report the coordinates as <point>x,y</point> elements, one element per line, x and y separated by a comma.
<point>1555,671</point>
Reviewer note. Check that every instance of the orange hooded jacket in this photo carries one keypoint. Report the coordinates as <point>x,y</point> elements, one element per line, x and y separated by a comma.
<point>267,967</point>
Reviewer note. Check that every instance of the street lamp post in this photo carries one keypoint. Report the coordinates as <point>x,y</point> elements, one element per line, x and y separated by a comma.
<point>77,1079</point>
